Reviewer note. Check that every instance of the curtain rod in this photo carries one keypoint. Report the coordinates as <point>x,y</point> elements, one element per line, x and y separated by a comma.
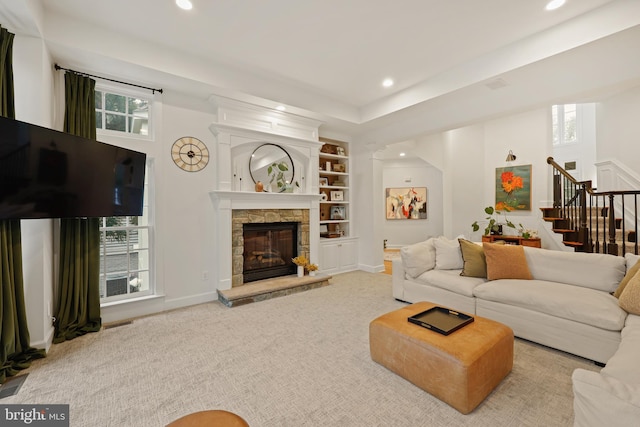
<point>105,78</point>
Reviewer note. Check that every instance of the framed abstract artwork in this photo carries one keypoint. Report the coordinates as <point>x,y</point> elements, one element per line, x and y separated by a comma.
<point>406,203</point>
<point>513,188</point>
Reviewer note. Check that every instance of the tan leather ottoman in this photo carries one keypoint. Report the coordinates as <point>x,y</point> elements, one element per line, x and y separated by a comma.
<point>460,369</point>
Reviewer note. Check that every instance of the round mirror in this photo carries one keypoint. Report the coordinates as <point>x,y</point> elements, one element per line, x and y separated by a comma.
<point>272,165</point>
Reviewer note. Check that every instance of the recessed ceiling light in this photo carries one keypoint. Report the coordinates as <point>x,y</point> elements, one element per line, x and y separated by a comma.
<point>554,4</point>
<point>184,4</point>
<point>402,154</point>
<point>281,108</point>
<point>387,82</point>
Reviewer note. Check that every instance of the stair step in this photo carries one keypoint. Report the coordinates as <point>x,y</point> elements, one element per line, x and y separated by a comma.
<point>563,230</point>
<point>572,244</point>
<point>552,218</point>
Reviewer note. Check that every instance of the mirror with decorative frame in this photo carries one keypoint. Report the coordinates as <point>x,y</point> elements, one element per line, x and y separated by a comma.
<point>272,165</point>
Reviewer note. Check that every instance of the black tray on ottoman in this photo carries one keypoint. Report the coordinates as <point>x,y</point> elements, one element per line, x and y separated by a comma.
<point>440,319</point>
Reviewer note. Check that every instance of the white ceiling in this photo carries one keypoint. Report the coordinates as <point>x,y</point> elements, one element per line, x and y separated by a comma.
<point>327,58</point>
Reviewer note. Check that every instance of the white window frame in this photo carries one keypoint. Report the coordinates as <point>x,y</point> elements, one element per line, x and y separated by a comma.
<point>559,118</point>
<point>146,221</point>
<point>129,93</point>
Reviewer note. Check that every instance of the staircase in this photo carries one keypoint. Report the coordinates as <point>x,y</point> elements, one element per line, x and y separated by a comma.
<point>592,221</point>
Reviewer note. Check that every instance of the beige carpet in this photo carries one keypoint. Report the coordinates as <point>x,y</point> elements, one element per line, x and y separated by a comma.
<point>299,360</point>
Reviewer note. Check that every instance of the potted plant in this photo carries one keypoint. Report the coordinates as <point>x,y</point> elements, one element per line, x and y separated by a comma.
<point>494,226</point>
<point>302,262</point>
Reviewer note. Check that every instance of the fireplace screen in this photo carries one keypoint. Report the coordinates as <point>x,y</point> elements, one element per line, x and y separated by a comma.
<point>268,250</point>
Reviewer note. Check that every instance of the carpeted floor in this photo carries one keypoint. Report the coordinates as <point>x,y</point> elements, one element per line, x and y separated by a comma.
<point>299,360</point>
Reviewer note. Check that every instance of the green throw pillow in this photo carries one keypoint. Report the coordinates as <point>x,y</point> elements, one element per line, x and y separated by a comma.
<point>473,258</point>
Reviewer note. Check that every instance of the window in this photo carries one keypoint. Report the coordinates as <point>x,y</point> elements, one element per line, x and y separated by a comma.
<point>125,258</point>
<point>564,121</point>
<point>126,250</point>
<point>121,112</point>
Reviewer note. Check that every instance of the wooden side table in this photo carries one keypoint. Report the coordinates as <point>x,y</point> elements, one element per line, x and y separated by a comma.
<point>513,240</point>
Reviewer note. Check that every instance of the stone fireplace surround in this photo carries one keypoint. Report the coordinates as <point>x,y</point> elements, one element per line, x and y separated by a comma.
<point>264,216</point>
<point>240,128</point>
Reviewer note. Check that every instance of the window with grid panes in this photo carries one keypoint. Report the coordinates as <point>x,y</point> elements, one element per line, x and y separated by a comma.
<point>122,112</point>
<point>125,242</point>
<point>564,120</point>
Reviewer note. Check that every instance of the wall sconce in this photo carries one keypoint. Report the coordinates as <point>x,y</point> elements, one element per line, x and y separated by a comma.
<point>511,157</point>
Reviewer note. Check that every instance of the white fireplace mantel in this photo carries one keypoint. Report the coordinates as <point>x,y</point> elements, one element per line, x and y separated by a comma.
<point>238,130</point>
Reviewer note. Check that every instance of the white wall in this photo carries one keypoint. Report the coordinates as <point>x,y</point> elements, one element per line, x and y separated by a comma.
<point>618,129</point>
<point>182,212</point>
<point>395,174</point>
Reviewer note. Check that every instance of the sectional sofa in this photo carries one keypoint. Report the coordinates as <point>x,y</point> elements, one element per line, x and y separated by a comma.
<point>564,300</point>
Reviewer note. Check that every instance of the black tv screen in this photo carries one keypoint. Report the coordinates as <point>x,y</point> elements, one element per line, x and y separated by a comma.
<point>45,173</point>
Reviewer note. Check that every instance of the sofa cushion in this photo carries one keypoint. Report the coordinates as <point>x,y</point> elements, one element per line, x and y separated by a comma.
<point>448,254</point>
<point>474,263</point>
<point>419,257</point>
<point>597,271</point>
<point>627,277</point>
<point>505,262</point>
<point>623,365</point>
<point>584,305</point>
<point>630,297</point>
<point>451,281</point>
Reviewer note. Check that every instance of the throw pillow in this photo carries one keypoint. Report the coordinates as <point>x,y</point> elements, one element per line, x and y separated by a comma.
<point>506,262</point>
<point>625,280</point>
<point>474,262</point>
<point>630,298</point>
<point>448,255</point>
<point>418,258</point>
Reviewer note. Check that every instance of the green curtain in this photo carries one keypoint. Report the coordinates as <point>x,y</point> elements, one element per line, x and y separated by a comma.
<point>15,352</point>
<point>79,297</point>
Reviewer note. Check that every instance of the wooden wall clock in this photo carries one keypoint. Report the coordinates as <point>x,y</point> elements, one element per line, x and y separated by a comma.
<point>190,154</point>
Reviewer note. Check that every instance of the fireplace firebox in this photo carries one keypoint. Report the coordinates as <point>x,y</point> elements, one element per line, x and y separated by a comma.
<point>268,250</point>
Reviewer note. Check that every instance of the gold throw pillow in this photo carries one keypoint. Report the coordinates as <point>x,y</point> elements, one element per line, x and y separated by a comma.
<point>630,297</point>
<point>506,262</point>
<point>475,264</point>
<point>627,277</point>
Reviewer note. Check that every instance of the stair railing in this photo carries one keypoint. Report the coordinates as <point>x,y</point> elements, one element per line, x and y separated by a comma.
<point>591,215</point>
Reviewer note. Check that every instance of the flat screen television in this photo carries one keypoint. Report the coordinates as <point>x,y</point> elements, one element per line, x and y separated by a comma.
<point>45,173</point>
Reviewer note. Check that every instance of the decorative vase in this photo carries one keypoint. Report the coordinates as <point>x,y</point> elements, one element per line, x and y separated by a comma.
<point>300,271</point>
<point>259,187</point>
<point>312,273</point>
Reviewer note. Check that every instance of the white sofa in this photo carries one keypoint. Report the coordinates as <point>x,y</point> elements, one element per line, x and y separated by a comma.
<point>611,397</point>
<point>567,305</point>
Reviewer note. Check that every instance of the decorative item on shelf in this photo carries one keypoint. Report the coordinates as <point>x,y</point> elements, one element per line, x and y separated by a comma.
<point>323,181</point>
<point>527,233</point>
<point>323,197</point>
<point>329,149</point>
<point>324,230</point>
<point>340,151</point>
<point>338,183</point>
<point>259,187</point>
<point>338,212</point>
<point>339,167</point>
<point>327,166</point>
<point>337,196</point>
<point>493,225</point>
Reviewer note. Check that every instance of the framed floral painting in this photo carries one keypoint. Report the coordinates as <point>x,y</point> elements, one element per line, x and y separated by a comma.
<point>513,188</point>
<point>406,203</point>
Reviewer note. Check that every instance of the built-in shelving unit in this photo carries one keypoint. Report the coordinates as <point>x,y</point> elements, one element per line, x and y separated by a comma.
<point>338,248</point>
<point>334,189</point>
